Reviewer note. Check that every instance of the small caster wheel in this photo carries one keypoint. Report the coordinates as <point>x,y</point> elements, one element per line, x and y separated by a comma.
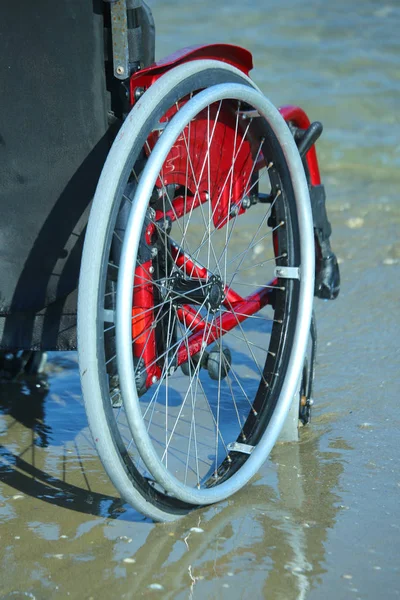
<point>219,363</point>
<point>194,361</point>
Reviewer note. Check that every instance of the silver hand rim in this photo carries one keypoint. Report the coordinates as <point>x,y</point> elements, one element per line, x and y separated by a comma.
<point>125,287</point>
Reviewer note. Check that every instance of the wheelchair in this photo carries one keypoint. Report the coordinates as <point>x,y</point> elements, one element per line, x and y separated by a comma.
<point>165,219</point>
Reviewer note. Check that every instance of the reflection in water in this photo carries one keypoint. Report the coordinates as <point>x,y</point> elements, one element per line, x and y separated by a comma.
<point>269,537</point>
<point>24,401</point>
<point>28,479</point>
<point>273,534</point>
<point>305,509</point>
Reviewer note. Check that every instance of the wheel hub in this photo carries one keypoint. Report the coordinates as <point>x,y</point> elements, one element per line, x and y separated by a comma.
<point>197,291</point>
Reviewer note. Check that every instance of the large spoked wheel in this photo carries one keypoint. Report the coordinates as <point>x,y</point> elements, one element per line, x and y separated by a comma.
<point>195,291</point>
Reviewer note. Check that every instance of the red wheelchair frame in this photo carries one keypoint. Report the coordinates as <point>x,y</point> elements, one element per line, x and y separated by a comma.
<point>143,300</point>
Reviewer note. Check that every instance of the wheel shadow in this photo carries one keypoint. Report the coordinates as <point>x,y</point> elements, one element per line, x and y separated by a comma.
<point>28,413</point>
<point>31,481</point>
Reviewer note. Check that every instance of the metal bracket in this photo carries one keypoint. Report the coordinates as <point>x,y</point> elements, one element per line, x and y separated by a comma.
<point>119,27</point>
<point>108,315</point>
<point>161,125</point>
<point>238,447</point>
<point>248,114</point>
<point>287,272</point>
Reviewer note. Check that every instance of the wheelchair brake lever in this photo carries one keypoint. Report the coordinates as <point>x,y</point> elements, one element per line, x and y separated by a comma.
<point>308,138</point>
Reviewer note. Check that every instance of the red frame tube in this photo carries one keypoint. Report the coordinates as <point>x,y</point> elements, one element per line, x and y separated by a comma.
<point>192,269</point>
<point>227,53</point>
<point>238,308</point>
<point>181,207</point>
<point>223,324</point>
<point>143,334</point>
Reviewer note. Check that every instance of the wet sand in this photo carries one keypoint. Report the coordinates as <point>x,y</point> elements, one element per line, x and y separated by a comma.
<point>320,520</point>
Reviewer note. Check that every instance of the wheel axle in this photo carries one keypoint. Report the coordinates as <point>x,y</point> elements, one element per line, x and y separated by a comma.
<point>197,291</point>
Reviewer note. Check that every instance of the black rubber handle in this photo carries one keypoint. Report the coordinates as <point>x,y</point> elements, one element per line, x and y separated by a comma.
<point>309,138</point>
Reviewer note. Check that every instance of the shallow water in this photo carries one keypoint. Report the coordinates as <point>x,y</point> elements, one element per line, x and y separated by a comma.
<point>322,517</point>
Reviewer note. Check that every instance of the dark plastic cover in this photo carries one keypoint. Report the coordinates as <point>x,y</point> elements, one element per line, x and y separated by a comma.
<point>53,143</point>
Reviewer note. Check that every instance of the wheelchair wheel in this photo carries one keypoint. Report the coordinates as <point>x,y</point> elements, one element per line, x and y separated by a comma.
<point>201,259</point>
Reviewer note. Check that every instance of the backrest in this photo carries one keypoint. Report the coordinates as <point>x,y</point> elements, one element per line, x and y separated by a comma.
<point>53,142</point>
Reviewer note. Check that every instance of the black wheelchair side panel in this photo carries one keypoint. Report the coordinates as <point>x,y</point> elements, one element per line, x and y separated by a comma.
<point>53,143</point>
